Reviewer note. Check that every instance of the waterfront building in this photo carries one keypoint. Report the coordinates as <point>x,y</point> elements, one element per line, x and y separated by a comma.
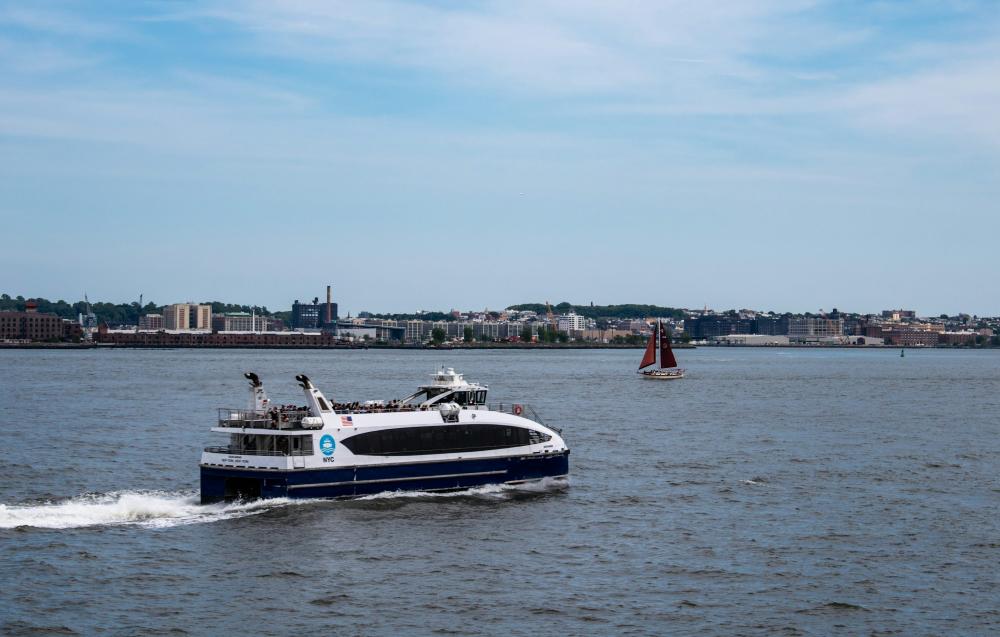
<point>454,329</point>
<point>863,340</point>
<point>603,336</point>
<point>927,327</point>
<point>202,318</point>
<point>417,331</point>
<point>187,316</point>
<point>571,321</point>
<point>357,333</point>
<point>751,339</point>
<point>486,330</point>
<point>190,338</point>
<point>240,322</point>
<point>312,316</point>
<point>30,325</point>
<point>151,322</point>
<point>957,338</point>
<point>387,331</point>
<point>712,325</point>
<point>305,316</point>
<point>510,330</point>
<point>813,328</point>
<point>433,325</point>
<point>176,316</point>
<point>772,325</point>
<point>909,337</point>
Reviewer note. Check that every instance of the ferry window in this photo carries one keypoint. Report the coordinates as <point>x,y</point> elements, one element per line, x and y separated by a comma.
<point>439,439</point>
<point>306,445</point>
<point>480,397</point>
<point>536,437</point>
<point>460,397</point>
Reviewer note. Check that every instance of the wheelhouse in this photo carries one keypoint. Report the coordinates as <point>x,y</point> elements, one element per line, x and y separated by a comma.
<point>448,387</point>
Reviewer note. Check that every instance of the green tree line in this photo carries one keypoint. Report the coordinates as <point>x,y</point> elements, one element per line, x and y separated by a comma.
<point>422,316</point>
<point>624,311</point>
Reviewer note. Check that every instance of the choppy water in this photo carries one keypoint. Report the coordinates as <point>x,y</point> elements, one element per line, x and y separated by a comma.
<point>772,491</point>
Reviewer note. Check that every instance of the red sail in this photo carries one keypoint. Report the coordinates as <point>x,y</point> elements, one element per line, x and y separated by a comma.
<point>650,356</point>
<point>666,354</point>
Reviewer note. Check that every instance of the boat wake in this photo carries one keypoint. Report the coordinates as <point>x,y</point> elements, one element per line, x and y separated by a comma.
<point>495,491</point>
<point>161,509</point>
<point>154,509</point>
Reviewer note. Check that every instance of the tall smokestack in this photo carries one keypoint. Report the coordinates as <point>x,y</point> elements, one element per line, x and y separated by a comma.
<point>329,306</point>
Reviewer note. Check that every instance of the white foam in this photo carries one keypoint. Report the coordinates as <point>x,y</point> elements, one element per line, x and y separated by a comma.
<point>145,508</point>
<point>498,491</point>
<point>158,509</point>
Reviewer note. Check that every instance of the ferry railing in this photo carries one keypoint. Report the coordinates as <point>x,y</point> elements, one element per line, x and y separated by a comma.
<point>243,451</point>
<point>521,409</point>
<point>259,419</point>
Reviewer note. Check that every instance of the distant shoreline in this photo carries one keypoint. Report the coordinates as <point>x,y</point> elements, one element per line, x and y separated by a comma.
<point>460,347</point>
<point>476,346</point>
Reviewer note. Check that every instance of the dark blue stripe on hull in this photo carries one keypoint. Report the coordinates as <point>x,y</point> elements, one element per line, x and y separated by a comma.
<point>219,483</point>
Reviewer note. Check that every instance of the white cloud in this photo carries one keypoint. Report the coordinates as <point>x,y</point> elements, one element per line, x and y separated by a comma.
<point>956,100</point>
<point>42,57</point>
<point>52,22</point>
<point>545,46</point>
<point>584,58</point>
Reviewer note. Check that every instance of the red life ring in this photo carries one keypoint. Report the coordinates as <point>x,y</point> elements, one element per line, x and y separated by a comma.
<point>517,410</point>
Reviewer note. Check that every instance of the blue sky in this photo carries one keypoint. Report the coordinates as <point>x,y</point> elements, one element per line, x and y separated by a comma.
<point>789,155</point>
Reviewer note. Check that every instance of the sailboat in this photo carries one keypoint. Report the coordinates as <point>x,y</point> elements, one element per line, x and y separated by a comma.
<point>667,369</point>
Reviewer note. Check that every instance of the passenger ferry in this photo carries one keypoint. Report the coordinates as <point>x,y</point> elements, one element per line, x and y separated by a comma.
<point>442,437</point>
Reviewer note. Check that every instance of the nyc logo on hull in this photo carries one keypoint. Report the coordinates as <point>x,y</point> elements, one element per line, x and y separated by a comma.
<point>327,444</point>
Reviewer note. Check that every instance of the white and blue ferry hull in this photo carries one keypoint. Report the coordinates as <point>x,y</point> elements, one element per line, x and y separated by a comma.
<point>222,483</point>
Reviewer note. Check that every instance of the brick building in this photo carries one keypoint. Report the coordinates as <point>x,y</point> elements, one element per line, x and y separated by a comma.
<point>957,338</point>
<point>912,338</point>
<point>32,326</point>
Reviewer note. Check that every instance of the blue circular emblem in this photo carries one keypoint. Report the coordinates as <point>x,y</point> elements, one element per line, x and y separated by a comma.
<point>327,444</point>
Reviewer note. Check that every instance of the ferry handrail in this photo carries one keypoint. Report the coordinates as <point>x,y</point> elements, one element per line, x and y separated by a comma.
<point>254,452</point>
<point>526,410</point>
<point>241,418</point>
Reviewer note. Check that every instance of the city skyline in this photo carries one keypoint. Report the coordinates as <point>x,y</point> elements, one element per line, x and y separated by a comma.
<point>558,307</point>
<point>787,156</point>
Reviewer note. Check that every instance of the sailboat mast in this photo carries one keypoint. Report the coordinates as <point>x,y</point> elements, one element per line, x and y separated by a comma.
<point>656,337</point>
<point>659,337</point>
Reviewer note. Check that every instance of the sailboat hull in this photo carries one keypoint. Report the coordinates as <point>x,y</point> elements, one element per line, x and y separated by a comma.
<point>663,374</point>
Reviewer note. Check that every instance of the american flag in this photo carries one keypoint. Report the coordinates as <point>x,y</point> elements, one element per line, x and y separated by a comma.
<point>345,421</point>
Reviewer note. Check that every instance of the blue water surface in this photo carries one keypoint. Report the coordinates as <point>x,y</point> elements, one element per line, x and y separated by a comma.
<point>772,491</point>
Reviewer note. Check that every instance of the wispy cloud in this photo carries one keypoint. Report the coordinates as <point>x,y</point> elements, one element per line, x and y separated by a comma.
<point>42,58</point>
<point>956,100</point>
<point>55,22</point>
<point>758,57</point>
<point>546,46</point>
<point>585,58</point>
